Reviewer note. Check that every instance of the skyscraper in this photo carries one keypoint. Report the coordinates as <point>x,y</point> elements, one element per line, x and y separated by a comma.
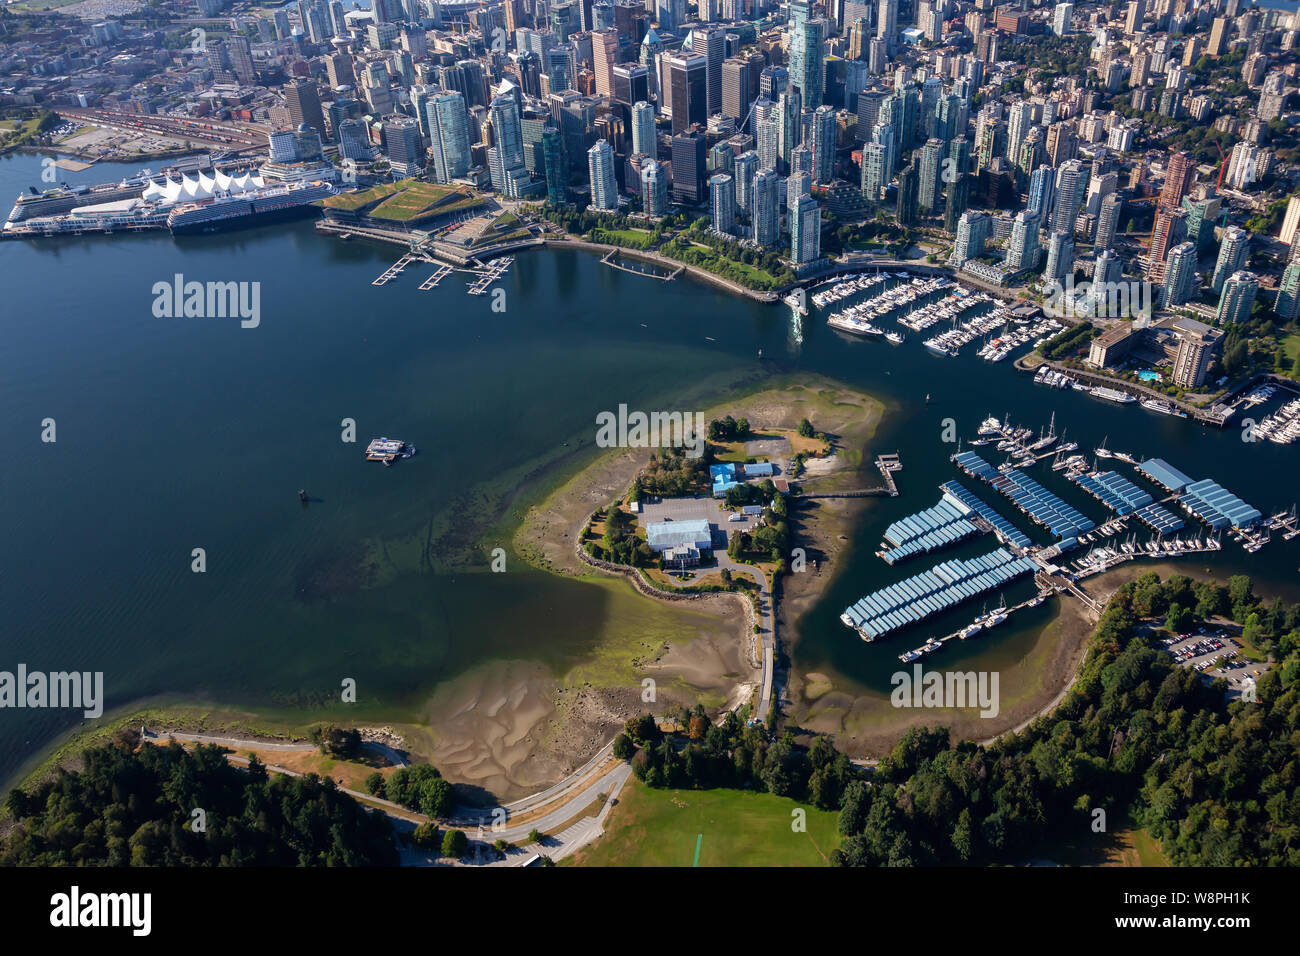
<point>1232,255</point>
<point>788,126</point>
<point>1060,256</point>
<point>958,201</point>
<point>1042,192</point>
<point>766,212</point>
<point>1237,298</point>
<point>509,145</point>
<point>654,188</point>
<point>1178,179</point>
<point>931,168</point>
<point>715,52</point>
<point>688,77</point>
<point>772,82</point>
<point>604,51</point>
<point>807,65</point>
<point>887,24</point>
<point>909,180</point>
<point>744,170</point>
<point>1022,250</point>
<point>241,60</point>
<point>805,230</point>
<point>1106,270</point>
<point>767,134</point>
<point>972,232</point>
<point>1108,221</point>
<point>735,89</point>
<point>1071,183</point>
<point>1287,304</point>
<point>405,151</point>
<point>303,104</point>
<point>1196,344</point>
<point>644,140</point>
<point>722,203</point>
<point>556,165</point>
<point>1169,229</point>
<point>1062,13</point>
<point>1180,275</point>
<point>1019,121</point>
<point>688,167</point>
<point>823,144</point>
<point>875,159</point>
<point>449,136</point>
<point>600,170</point>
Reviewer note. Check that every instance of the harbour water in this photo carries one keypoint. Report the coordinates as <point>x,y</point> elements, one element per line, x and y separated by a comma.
<point>183,433</point>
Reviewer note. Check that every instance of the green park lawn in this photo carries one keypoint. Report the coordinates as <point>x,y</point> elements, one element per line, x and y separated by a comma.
<point>651,827</point>
<point>1291,345</point>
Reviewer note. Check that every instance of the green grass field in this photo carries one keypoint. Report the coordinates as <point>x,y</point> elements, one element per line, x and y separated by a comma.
<point>1291,345</point>
<point>731,827</point>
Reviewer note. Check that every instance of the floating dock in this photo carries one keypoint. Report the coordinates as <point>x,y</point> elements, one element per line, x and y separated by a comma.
<point>395,270</point>
<point>490,273</point>
<point>1218,507</point>
<point>1004,529</point>
<point>433,280</point>
<point>929,530</point>
<point>1124,498</point>
<point>931,592</point>
<point>1043,507</point>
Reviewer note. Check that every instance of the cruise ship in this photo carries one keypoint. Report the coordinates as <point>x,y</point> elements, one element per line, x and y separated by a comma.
<point>226,211</point>
<point>61,200</point>
<point>188,204</point>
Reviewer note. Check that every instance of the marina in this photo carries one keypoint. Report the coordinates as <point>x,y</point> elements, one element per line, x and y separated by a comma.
<point>960,515</point>
<point>943,586</point>
<point>859,318</point>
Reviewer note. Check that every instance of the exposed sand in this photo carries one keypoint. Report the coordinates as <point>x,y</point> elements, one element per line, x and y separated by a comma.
<point>510,728</point>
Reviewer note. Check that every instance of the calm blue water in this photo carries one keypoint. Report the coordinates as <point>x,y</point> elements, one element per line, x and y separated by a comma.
<point>183,433</point>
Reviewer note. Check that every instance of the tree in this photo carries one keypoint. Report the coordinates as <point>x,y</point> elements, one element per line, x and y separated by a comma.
<point>454,844</point>
<point>375,784</point>
<point>427,836</point>
<point>642,729</point>
<point>1179,619</point>
<point>805,428</point>
<point>623,747</point>
<point>437,797</point>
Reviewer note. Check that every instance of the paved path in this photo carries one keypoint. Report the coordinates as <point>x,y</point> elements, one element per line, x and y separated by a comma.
<point>243,744</point>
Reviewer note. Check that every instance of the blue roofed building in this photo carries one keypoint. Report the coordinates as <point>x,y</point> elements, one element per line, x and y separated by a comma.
<point>724,478</point>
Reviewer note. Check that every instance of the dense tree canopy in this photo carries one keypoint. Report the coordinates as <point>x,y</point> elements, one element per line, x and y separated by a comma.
<point>1214,781</point>
<point>134,805</point>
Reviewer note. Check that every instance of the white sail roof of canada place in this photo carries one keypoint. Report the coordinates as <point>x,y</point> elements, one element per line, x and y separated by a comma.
<point>202,186</point>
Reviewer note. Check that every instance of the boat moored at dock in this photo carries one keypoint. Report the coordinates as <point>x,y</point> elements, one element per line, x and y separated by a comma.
<point>388,450</point>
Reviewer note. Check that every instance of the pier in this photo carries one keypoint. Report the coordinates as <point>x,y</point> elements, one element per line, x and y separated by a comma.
<point>611,259</point>
<point>433,280</point>
<point>489,273</point>
<point>395,270</point>
<point>888,464</point>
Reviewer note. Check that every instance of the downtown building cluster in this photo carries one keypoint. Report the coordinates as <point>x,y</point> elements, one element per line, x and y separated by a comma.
<point>774,119</point>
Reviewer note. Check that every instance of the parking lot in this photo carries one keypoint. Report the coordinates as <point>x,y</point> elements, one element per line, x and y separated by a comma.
<point>693,509</point>
<point>1215,654</point>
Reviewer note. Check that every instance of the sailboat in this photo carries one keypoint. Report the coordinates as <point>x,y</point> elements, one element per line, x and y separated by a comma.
<point>999,614</point>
